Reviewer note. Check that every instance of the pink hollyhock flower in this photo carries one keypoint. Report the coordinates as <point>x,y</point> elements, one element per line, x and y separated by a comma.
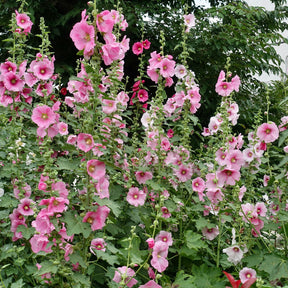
<point>105,22</point>
<point>234,159</point>
<point>85,142</point>
<point>266,179</point>
<point>43,116</point>
<point>24,207</point>
<point>126,272</point>
<point>215,195</point>
<point>246,274</point>
<point>184,173</point>
<point>210,233</point>
<point>109,106</point>
<point>39,243</point>
<point>268,132</point>
<point>198,185</point>
<point>17,216</point>
<point>165,212</point>
<point>96,169</point>
<point>248,155</point>
<point>62,128</point>
<point>44,89</point>
<point>24,22</point>
<point>97,219</point>
<point>220,157</point>
<point>13,82</point>
<point>165,237</point>
<point>153,74</point>
<point>8,67</point>
<point>83,35</point>
<point>236,283</point>
<point>26,189</point>
<point>142,95</point>
<point>170,133</point>
<point>260,209</point>
<point>228,176</point>
<point>242,191</point>
<point>137,48</point>
<point>55,205</point>
<point>42,224</point>
<point>150,284</point>
<point>142,176</point>
<point>155,60</point>
<point>189,21</point>
<point>146,44</point>
<point>214,125</point>
<point>167,68</point>
<point>43,69</point>
<point>136,197</point>
<point>224,88</point>
<point>98,244</point>
<point>235,254</point>
<point>159,254</point>
<point>102,188</point>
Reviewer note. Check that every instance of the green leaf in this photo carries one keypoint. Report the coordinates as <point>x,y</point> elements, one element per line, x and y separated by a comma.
<point>18,284</point>
<point>183,280</point>
<point>110,259</point>
<point>77,258</point>
<point>194,240</point>
<point>82,279</point>
<point>75,225</point>
<point>47,267</point>
<point>67,164</point>
<point>26,232</point>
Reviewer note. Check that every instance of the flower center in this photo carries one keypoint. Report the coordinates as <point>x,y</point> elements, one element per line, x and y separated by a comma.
<point>26,207</point>
<point>44,116</point>
<point>42,71</point>
<point>88,141</point>
<point>13,81</point>
<point>89,220</point>
<point>268,131</point>
<point>135,196</point>
<point>91,169</point>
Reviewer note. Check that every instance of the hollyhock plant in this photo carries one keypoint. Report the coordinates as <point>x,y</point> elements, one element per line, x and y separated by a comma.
<point>150,284</point>
<point>98,244</point>
<point>43,69</point>
<point>268,132</point>
<point>85,142</point>
<point>39,242</point>
<point>143,176</point>
<point>246,274</point>
<point>159,254</point>
<point>24,22</point>
<point>137,48</point>
<point>210,233</point>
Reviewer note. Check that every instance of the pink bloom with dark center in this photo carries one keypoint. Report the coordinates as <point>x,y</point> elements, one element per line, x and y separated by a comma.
<point>180,71</point>
<point>96,169</point>
<point>98,244</point>
<point>137,48</point>
<point>228,176</point>
<point>24,22</point>
<point>25,207</point>
<point>43,116</point>
<point>13,82</point>
<point>159,254</point>
<point>165,212</point>
<point>260,209</point>
<point>165,237</point>
<point>128,272</point>
<point>8,67</point>
<point>234,159</point>
<point>184,173</point>
<point>85,142</point>
<point>142,176</point>
<point>136,197</point>
<point>210,233</point>
<point>97,219</point>
<point>268,132</point>
<point>62,128</point>
<point>142,95</point>
<point>246,274</point>
<point>235,254</point>
<point>43,69</point>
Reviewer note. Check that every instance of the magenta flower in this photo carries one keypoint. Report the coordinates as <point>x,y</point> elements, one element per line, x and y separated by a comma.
<point>83,35</point>
<point>98,244</point>
<point>159,254</point>
<point>96,169</point>
<point>142,95</point>
<point>97,219</point>
<point>142,176</point>
<point>43,116</point>
<point>136,197</point>
<point>85,142</point>
<point>13,82</point>
<point>24,22</point>
<point>137,48</point>
<point>146,44</point>
<point>268,132</point>
<point>55,205</point>
<point>8,67</point>
<point>42,224</point>
<point>150,284</point>
<point>128,273</point>
<point>184,173</point>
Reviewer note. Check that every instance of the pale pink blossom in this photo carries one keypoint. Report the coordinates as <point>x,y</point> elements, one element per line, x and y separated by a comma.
<point>246,273</point>
<point>102,188</point>
<point>43,69</point>
<point>25,207</point>
<point>167,68</point>
<point>189,21</point>
<point>180,71</point>
<point>159,254</point>
<point>234,159</point>
<point>210,233</point>
<point>228,176</point>
<point>109,106</point>
<point>183,173</point>
<point>42,224</point>
<point>136,197</point>
<point>143,176</point>
<point>150,284</point>
<point>39,242</point>
<point>62,128</point>
<point>165,237</point>
<point>105,21</point>
<point>24,22</point>
<point>43,116</point>
<point>235,254</point>
<point>85,142</point>
<point>96,169</point>
<point>268,132</point>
